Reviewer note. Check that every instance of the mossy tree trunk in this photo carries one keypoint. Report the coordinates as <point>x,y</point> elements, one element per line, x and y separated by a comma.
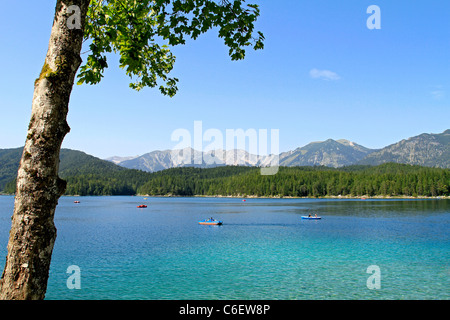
<point>33,231</point>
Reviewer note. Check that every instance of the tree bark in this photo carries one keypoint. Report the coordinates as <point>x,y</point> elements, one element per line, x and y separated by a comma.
<point>33,231</point>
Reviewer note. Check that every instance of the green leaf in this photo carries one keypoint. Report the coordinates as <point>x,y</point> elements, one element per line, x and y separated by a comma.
<point>142,32</point>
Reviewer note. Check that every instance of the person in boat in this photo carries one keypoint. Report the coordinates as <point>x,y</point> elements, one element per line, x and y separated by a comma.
<point>309,215</point>
<point>315,215</point>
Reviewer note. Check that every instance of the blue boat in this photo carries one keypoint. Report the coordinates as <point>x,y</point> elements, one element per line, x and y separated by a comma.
<point>311,218</point>
<point>210,222</point>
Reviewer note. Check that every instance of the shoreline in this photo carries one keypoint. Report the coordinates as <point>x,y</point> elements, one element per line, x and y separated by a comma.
<point>290,197</point>
<point>347,197</point>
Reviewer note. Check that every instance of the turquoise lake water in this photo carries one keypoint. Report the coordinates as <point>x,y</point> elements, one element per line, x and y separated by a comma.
<point>263,251</point>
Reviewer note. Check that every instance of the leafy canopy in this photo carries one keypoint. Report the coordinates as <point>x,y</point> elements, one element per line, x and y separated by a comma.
<point>142,32</point>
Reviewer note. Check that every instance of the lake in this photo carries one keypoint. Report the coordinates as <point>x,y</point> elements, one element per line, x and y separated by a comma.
<point>264,250</point>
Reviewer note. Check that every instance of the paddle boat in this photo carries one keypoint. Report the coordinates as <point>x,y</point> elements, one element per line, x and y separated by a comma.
<point>142,206</point>
<point>210,222</point>
<point>310,217</point>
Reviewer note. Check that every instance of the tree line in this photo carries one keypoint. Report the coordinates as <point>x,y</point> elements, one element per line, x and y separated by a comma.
<point>383,180</point>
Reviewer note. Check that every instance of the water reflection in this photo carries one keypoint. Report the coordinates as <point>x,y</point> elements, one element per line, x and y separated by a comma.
<point>376,208</point>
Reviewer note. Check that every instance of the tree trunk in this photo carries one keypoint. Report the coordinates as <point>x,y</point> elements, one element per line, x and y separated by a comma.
<point>33,231</point>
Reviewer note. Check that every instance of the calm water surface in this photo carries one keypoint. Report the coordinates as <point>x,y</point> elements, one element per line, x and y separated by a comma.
<point>263,250</point>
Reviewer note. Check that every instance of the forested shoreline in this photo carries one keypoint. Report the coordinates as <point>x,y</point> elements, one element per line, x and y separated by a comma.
<point>387,180</point>
<point>383,180</point>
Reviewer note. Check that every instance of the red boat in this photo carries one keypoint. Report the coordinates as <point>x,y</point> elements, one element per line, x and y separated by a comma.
<point>142,206</point>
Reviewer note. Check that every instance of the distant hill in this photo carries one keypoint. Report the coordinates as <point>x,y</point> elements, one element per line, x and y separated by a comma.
<point>188,157</point>
<point>77,162</point>
<point>430,150</point>
<point>88,175</point>
<point>117,160</point>
<point>328,153</point>
<point>84,173</point>
<point>151,162</point>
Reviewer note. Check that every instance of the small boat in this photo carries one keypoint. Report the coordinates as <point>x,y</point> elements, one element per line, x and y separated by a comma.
<point>311,218</point>
<point>211,222</point>
<point>142,206</point>
<point>76,202</point>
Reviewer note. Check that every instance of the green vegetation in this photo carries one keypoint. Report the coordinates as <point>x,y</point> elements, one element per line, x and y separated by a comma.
<point>85,174</point>
<point>88,175</point>
<point>137,30</point>
<point>125,182</point>
<point>384,180</point>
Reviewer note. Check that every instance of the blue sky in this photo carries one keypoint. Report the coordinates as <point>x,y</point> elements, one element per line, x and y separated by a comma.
<point>323,74</point>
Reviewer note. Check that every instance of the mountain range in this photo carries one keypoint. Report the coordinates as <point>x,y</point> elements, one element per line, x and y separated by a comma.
<point>428,150</point>
<point>89,175</point>
<point>431,150</point>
